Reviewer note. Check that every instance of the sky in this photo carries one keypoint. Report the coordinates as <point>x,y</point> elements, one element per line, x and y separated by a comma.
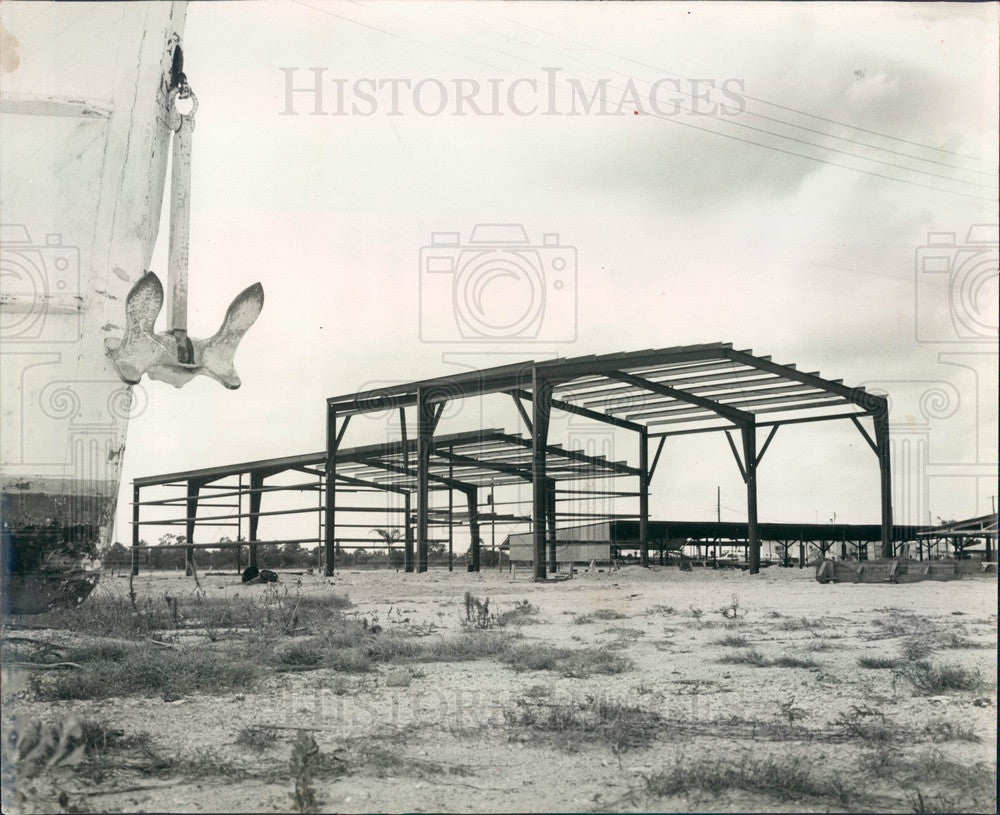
<point>788,212</point>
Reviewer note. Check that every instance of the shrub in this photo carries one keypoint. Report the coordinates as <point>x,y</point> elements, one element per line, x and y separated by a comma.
<point>932,678</point>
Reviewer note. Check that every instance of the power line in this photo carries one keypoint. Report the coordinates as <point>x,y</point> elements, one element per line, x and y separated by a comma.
<point>694,126</point>
<point>740,124</point>
<point>759,115</point>
<point>779,106</point>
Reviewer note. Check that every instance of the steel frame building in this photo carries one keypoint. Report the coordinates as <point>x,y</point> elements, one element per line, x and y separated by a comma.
<point>462,462</point>
<point>657,394</point>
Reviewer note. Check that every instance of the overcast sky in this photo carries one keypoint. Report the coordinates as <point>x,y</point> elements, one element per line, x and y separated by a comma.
<point>688,227</point>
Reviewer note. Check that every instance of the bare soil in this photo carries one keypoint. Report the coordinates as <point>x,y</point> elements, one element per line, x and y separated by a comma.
<point>445,736</point>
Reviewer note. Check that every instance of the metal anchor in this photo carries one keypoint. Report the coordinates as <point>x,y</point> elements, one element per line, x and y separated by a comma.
<point>172,356</point>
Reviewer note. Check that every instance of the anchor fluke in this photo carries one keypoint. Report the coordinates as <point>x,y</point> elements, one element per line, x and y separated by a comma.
<point>159,355</point>
<point>173,356</point>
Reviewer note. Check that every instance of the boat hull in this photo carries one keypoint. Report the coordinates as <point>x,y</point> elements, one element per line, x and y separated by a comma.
<point>40,592</point>
<point>83,122</point>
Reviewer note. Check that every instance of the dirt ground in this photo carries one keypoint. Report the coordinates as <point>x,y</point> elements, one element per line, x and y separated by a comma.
<point>437,736</point>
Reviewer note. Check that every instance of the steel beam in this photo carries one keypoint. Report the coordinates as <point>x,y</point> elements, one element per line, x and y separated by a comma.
<point>569,407</point>
<point>726,412</point>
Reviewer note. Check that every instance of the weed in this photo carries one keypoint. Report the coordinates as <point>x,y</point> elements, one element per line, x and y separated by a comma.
<point>917,649</point>
<point>732,611</point>
<point>259,737</point>
<point>866,724</point>
<point>305,755</point>
<point>951,640</point>
<point>477,612</point>
<point>790,711</point>
<point>944,730</point>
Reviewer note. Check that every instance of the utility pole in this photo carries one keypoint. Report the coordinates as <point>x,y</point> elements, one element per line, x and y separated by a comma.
<point>718,504</point>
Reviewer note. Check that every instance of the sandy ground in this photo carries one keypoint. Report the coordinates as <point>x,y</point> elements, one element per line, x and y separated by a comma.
<point>447,727</point>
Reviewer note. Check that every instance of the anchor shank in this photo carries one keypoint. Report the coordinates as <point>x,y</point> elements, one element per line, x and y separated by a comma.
<point>180,226</point>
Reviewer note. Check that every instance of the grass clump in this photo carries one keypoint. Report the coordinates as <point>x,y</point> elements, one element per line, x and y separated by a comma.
<point>734,641</point>
<point>954,641</point>
<point>878,663</point>
<point>801,624</point>
<point>569,662</point>
<point>599,614</point>
<point>140,669</point>
<point>758,660</point>
<point>748,657</point>
<point>932,678</point>
<point>789,661</point>
<point>595,722</point>
<point>785,778</point>
<point>523,613</point>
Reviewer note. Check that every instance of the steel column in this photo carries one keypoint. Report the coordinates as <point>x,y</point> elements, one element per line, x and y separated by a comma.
<point>644,496</point>
<point>135,529</point>
<point>425,431</point>
<point>472,495</point>
<point>408,535</point>
<point>256,484</point>
<point>749,434</point>
<point>550,509</point>
<point>541,399</point>
<point>451,517</point>
<point>239,522</point>
<point>881,420</point>
<point>193,488</point>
